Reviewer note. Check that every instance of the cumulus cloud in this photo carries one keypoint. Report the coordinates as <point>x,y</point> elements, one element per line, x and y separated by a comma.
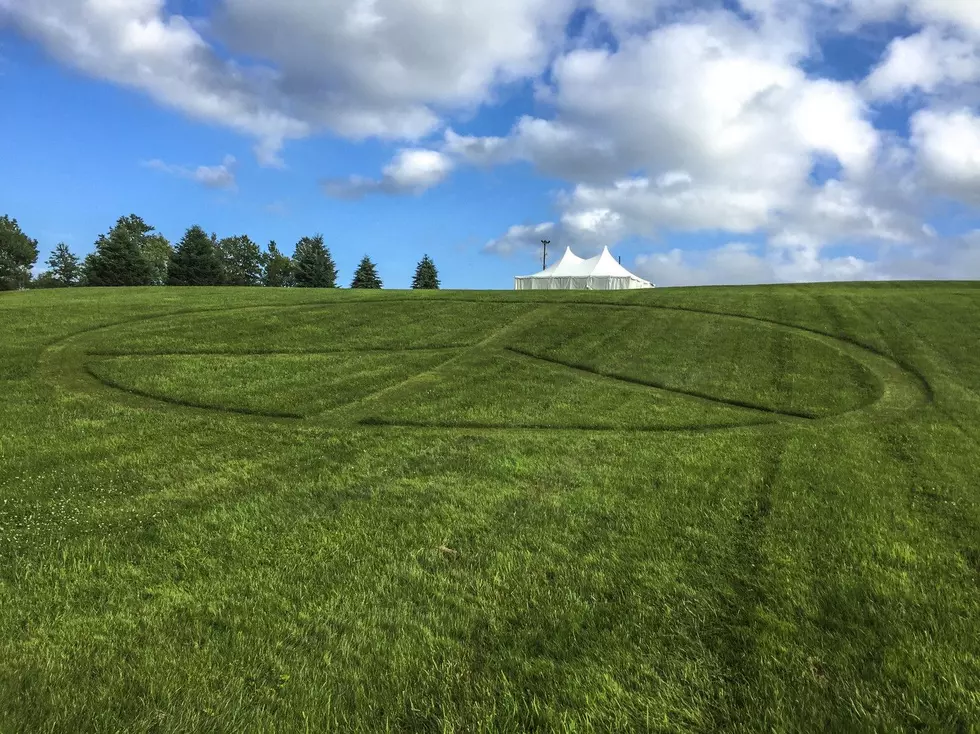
<point>358,68</point>
<point>221,176</point>
<point>704,115</point>
<point>412,171</point>
<point>731,151</point>
<point>948,147</point>
<point>521,238</point>
<point>137,44</point>
<point>960,14</point>
<point>736,151</point>
<point>927,61</point>
<point>738,263</point>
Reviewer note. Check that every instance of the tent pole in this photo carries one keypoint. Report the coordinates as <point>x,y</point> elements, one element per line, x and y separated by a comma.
<point>544,253</point>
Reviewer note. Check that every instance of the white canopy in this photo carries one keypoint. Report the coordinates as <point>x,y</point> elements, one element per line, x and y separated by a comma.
<point>599,273</point>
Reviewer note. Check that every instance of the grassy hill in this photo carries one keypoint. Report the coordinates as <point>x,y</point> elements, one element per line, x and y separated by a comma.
<point>716,509</point>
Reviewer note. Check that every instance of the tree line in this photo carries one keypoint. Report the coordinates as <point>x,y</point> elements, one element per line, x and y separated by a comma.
<point>133,253</point>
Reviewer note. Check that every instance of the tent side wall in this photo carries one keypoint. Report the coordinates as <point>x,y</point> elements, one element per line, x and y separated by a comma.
<point>593,283</point>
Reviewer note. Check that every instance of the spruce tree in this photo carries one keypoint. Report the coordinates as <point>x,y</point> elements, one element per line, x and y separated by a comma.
<point>313,265</point>
<point>18,253</point>
<point>64,267</point>
<point>426,275</point>
<point>278,268</point>
<point>366,275</point>
<point>195,261</point>
<point>241,260</point>
<point>117,260</point>
<point>152,247</point>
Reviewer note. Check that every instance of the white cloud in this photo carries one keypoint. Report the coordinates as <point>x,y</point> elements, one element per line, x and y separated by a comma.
<point>521,238</point>
<point>926,61</point>
<point>948,149</point>
<point>412,171</point>
<point>959,14</point>
<point>738,263</point>
<point>698,118</point>
<point>841,210</point>
<point>479,151</point>
<point>735,263</point>
<point>675,201</point>
<point>359,68</point>
<point>137,45</point>
<point>221,176</point>
<point>732,151</point>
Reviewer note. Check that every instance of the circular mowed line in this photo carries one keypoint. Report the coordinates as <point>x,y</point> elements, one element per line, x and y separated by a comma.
<point>453,363</point>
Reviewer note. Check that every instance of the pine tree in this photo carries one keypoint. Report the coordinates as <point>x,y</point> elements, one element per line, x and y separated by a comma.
<point>241,260</point>
<point>426,275</point>
<point>278,268</point>
<point>195,261</point>
<point>64,267</point>
<point>18,253</point>
<point>313,265</point>
<point>117,260</point>
<point>366,275</point>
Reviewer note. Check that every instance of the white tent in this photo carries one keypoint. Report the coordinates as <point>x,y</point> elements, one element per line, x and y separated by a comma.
<point>599,273</point>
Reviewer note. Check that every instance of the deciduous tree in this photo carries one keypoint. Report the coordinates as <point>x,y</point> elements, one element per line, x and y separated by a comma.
<point>278,268</point>
<point>241,261</point>
<point>18,253</point>
<point>157,250</point>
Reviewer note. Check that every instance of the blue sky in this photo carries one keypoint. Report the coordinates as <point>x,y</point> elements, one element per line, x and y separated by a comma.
<point>844,145</point>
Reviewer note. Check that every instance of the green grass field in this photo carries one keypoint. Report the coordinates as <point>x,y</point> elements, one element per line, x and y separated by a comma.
<point>680,510</point>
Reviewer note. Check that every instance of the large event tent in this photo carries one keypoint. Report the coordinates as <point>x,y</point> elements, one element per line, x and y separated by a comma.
<point>599,273</point>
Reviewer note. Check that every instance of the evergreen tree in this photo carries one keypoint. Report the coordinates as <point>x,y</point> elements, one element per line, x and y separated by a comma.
<point>18,253</point>
<point>241,261</point>
<point>195,261</point>
<point>117,260</point>
<point>152,246</point>
<point>366,275</point>
<point>278,268</point>
<point>313,267</point>
<point>426,275</point>
<point>64,267</point>
<point>88,265</point>
<point>44,280</point>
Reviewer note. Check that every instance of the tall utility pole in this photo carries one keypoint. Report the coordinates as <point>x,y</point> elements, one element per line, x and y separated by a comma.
<point>544,253</point>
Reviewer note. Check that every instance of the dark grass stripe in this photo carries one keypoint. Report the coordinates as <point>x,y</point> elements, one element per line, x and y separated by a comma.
<point>377,421</point>
<point>744,593</point>
<point>274,352</point>
<point>665,388</point>
<point>926,386</point>
<point>928,392</point>
<point>929,500</point>
<point>107,382</point>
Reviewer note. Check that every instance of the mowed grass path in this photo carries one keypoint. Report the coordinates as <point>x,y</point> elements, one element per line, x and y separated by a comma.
<point>717,509</point>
